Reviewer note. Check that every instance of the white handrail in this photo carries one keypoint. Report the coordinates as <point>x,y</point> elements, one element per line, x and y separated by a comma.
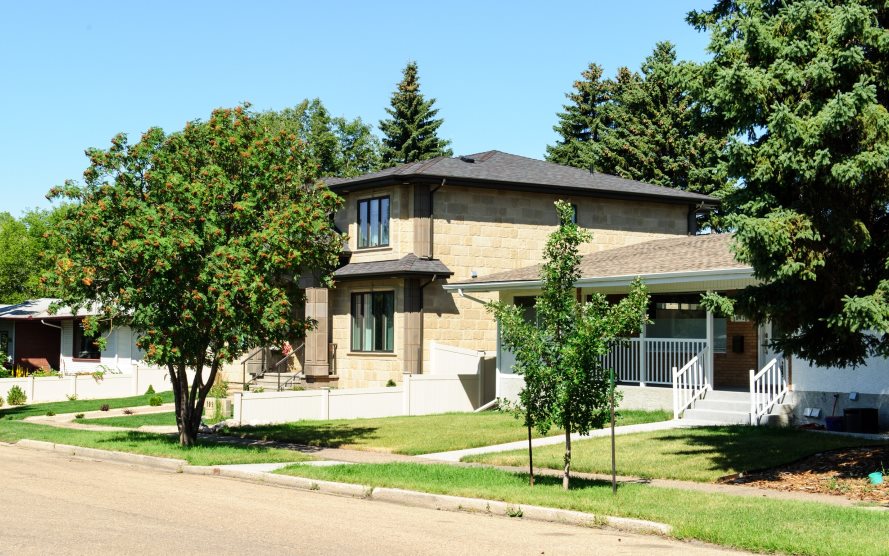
<point>690,383</point>
<point>766,388</point>
<point>650,360</point>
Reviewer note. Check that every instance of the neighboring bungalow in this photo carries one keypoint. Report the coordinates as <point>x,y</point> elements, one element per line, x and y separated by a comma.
<point>416,227</point>
<point>726,368</point>
<point>35,339</point>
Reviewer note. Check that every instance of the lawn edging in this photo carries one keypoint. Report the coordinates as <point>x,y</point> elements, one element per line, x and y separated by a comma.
<point>168,464</point>
<point>383,494</point>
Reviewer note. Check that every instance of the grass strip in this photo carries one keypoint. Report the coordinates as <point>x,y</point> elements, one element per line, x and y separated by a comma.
<point>206,452</point>
<point>78,406</point>
<point>743,522</point>
<point>423,434</point>
<point>699,454</point>
<point>147,419</point>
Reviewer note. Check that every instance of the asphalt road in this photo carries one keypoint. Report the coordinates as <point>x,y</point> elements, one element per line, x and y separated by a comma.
<point>54,504</point>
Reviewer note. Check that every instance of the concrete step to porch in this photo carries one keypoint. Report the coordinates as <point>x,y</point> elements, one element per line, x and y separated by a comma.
<point>729,396</point>
<point>717,415</point>
<point>723,405</point>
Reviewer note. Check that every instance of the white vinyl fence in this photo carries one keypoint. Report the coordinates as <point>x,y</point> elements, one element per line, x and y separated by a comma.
<point>418,395</point>
<point>60,388</point>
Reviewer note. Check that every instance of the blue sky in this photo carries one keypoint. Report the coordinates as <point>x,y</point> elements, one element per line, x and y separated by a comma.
<point>74,74</point>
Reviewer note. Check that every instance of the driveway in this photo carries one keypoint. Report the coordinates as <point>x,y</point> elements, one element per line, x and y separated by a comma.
<point>64,505</point>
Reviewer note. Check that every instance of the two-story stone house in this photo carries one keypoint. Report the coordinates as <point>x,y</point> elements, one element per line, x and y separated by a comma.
<point>413,228</point>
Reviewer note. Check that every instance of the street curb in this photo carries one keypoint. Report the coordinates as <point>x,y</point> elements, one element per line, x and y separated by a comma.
<point>168,464</point>
<point>392,495</point>
<point>536,513</point>
<point>302,483</point>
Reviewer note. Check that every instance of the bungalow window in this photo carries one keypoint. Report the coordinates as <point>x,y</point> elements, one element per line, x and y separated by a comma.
<point>373,321</point>
<point>528,304</point>
<point>373,222</point>
<point>85,344</point>
<point>684,317</point>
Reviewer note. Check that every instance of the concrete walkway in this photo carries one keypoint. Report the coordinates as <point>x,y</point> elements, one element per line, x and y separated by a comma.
<point>457,455</point>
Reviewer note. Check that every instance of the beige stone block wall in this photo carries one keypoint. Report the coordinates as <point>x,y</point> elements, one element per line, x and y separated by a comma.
<point>401,231</point>
<point>365,369</point>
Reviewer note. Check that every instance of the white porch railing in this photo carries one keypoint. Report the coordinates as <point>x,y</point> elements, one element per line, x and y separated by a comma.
<point>766,387</point>
<point>651,360</point>
<point>690,383</point>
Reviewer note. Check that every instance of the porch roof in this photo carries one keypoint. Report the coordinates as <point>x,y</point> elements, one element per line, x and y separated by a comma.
<point>409,265</point>
<point>686,258</point>
<point>38,309</point>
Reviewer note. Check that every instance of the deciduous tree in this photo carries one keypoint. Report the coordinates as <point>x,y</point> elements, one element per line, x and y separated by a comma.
<point>560,354</point>
<point>196,240</point>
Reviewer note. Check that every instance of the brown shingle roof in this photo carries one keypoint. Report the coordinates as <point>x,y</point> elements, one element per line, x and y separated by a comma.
<point>681,254</point>
<point>408,265</point>
<point>518,172</point>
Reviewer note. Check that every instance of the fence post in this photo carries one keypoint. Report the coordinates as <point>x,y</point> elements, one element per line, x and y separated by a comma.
<point>643,361</point>
<point>675,394</point>
<point>752,398</point>
<point>406,394</point>
<point>33,387</point>
<point>325,403</point>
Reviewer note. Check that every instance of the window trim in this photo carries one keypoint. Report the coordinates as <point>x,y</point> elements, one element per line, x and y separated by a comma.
<point>77,339</point>
<point>352,317</point>
<point>368,201</point>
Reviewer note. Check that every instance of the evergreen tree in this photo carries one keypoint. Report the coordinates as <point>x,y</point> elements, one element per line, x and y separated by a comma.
<point>646,127</point>
<point>410,134</point>
<point>804,86</point>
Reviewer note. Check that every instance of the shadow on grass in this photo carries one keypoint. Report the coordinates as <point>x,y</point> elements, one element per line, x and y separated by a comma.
<point>742,449</point>
<point>316,436</point>
<point>170,442</point>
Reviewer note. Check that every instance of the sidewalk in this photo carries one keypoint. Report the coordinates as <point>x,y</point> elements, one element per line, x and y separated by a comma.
<point>457,455</point>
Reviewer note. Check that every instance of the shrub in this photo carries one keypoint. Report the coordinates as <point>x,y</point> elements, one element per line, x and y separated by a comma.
<point>50,413</point>
<point>127,411</point>
<point>297,388</point>
<point>1,401</point>
<point>16,396</point>
<point>390,383</point>
<point>5,373</point>
<point>150,390</point>
<point>259,389</point>
<point>155,401</point>
<point>219,389</point>
<point>104,407</point>
<point>71,397</point>
<point>79,416</point>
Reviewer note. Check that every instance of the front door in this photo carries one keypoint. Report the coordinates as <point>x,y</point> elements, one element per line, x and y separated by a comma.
<point>767,352</point>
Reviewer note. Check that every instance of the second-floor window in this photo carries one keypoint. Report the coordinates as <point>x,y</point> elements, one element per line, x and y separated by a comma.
<point>373,222</point>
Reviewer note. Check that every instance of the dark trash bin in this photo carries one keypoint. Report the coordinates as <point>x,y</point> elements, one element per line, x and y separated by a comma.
<point>862,419</point>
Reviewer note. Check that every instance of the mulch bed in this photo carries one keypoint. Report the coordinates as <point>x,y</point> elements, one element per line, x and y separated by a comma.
<point>840,472</point>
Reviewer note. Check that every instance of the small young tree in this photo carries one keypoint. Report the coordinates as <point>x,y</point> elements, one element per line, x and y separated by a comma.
<point>560,355</point>
<point>196,240</point>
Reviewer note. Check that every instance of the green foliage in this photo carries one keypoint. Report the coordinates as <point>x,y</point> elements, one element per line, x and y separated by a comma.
<point>647,127</point>
<point>560,354</point>
<point>155,401</point>
<point>104,407</point>
<point>411,131</point>
<point>150,390</point>
<point>78,416</point>
<point>27,250</point>
<point>335,145</point>
<point>71,397</point>
<point>195,239</point>
<point>50,413</point>
<point>16,396</point>
<point>804,88</point>
<point>390,383</point>
<point>219,389</point>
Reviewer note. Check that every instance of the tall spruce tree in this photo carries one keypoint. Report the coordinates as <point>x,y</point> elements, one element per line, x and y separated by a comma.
<point>644,126</point>
<point>411,132</point>
<point>804,86</point>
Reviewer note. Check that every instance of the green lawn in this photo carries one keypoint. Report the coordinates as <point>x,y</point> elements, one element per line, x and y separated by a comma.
<point>738,521</point>
<point>135,421</point>
<point>701,454</point>
<point>418,434</point>
<point>206,453</point>
<point>78,406</point>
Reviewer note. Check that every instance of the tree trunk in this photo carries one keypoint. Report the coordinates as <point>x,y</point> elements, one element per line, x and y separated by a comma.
<point>566,478</point>
<point>530,457</point>
<point>190,400</point>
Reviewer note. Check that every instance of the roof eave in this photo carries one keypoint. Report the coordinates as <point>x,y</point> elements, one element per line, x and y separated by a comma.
<point>613,281</point>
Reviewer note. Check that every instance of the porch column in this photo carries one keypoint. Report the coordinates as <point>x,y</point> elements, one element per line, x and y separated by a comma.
<point>316,359</point>
<point>413,326</point>
<point>710,348</point>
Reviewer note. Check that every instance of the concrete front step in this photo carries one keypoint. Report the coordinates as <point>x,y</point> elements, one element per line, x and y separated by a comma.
<point>719,416</point>
<point>723,405</point>
<point>729,395</point>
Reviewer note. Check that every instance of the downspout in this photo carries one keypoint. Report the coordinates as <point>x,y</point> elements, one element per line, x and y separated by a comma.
<point>432,218</point>
<point>49,324</point>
